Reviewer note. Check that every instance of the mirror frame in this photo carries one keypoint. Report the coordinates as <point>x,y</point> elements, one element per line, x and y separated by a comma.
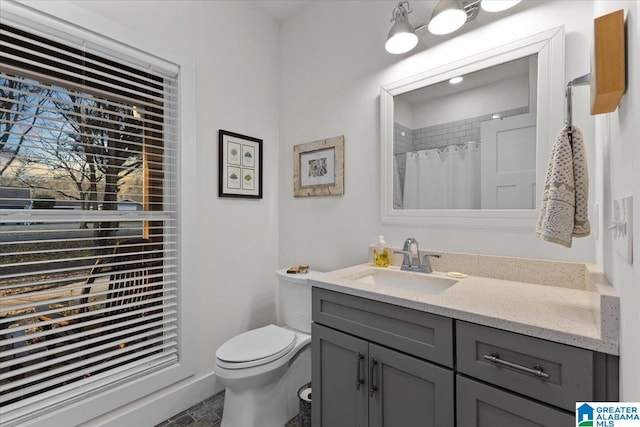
<point>549,46</point>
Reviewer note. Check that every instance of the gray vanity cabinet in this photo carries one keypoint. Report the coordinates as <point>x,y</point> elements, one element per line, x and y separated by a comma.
<point>361,382</point>
<point>378,364</point>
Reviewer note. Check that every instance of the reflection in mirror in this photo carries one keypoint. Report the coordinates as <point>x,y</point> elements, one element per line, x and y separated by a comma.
<point>468,145</point>
<point>544,100</point>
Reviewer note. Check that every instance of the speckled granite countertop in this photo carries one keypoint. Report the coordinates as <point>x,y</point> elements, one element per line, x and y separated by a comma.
<point>575,305</point>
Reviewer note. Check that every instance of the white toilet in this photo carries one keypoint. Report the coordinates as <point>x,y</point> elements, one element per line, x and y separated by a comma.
<point>262,369</point>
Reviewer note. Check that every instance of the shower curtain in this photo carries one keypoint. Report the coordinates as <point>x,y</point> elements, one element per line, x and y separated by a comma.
<point>397,189</point>
<point>410,199</point>
<point>447,178</point>
<point>432,178</point>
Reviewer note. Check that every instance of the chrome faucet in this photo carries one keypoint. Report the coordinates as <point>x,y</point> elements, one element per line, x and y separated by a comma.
<point>412,252</point>
<point>411,257</point>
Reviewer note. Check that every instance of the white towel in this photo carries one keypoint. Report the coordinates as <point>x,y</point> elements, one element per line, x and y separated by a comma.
<point>563,213</point>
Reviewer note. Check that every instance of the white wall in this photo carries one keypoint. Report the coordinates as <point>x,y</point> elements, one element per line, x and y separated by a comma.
<point>403,113</point>
<point>236,49</point>
<point>618,174</point>
<point>332,71</point>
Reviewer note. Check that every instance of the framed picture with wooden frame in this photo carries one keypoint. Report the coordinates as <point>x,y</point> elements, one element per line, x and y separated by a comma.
<point>318,168</point>
<point>239,165</point>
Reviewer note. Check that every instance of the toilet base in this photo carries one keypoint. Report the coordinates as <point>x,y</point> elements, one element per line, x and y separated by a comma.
<point>272,404</point>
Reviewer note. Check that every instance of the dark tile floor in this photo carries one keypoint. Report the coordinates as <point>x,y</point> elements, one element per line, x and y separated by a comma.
<point>207,413</point>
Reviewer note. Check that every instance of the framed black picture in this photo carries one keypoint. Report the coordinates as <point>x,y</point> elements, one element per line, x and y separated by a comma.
<point>240,165</point>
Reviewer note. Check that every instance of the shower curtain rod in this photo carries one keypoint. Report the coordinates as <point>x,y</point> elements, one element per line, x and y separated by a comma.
<point>461,144</point>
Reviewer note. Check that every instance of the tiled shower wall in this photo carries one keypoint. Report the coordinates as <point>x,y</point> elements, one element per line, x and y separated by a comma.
<point>439,136</point>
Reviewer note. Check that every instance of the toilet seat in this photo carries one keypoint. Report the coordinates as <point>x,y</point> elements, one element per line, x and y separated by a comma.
<point>255,347</point>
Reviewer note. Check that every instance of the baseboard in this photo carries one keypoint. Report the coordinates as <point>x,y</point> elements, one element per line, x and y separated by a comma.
<point>162,405</point>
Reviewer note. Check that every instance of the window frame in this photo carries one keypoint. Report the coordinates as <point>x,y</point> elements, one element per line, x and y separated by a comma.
<point>62,19</point>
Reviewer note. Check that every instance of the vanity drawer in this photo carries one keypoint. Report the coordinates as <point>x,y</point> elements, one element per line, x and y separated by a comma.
<point>480,405</point>
<point>565,374</point>
<point>414,332</point>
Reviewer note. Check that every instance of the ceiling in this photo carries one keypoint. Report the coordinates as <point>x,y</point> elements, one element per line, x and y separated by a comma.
<point>284,10</point>
<point>281,10</point>
<point>479,78</point>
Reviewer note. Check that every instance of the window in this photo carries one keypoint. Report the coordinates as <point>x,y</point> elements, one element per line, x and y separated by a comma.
<point>89,227</point>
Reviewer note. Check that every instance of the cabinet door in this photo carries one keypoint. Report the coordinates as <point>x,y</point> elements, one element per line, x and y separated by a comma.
<point>480,405</point>
<point>339,379</point>
<point>408,391</point>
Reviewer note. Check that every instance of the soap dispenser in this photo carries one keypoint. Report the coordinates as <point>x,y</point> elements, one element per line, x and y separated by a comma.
<point>381,254</point>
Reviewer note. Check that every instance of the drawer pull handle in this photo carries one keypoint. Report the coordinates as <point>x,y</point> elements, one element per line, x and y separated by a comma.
<point>536,370</point>
<point>359,379</point>
<point>372,384</point>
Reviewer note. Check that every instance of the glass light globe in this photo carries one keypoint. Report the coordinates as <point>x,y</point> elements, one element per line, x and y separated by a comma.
<point>402,38</point>
<point>401,43</point>
<point>497,5</point>
<point>447,21</point>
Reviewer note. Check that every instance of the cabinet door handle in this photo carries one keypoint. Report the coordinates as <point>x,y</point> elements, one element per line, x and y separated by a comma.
<point>537,370</point>
<point>372,383</point>
<point>359,379</point>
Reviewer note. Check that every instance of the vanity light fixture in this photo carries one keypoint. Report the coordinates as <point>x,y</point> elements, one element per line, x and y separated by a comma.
<point>402,36</point>
<point>447,17</point>
<point>497,5</point>
<point>456,80</point>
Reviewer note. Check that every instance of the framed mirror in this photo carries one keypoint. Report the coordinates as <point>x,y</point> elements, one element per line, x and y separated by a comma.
<point>473,153</point>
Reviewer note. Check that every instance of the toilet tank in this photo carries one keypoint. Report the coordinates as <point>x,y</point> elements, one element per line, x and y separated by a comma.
<point>295,300</point>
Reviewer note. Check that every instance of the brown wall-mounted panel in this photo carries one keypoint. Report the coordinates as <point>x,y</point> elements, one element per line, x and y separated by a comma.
<point>608,63</point>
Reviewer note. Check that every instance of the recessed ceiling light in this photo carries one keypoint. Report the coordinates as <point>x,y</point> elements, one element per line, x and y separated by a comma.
<point>456,80</point>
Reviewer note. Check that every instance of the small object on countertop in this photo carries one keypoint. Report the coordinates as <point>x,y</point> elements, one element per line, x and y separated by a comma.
<point>381,253</point>
<point>457,275</point>
<point>298,269</point>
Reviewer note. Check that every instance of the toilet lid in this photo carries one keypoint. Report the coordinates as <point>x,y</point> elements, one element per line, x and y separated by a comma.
<point>257,346</point>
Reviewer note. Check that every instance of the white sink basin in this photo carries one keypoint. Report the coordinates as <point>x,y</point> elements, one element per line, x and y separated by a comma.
<point>404,280</point>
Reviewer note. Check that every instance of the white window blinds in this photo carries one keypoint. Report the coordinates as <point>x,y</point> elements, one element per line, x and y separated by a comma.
<point>88,220</point>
